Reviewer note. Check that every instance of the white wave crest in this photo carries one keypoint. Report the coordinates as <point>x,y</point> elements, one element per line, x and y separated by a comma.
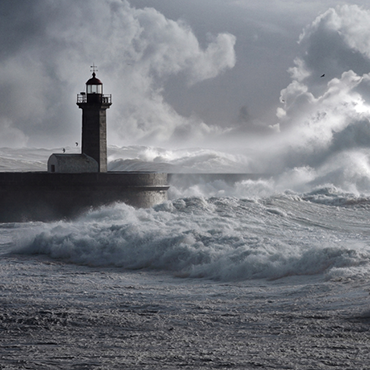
<point>219,238</point>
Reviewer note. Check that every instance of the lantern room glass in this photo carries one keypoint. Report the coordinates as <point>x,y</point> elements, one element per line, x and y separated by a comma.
<point>94,89</point>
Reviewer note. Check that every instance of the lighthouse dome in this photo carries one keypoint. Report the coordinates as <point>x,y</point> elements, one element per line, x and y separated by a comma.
<point>94,81</point>
<point>94,85</point>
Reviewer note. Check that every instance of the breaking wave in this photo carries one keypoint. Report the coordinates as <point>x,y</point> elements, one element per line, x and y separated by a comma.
<point>215,238</point>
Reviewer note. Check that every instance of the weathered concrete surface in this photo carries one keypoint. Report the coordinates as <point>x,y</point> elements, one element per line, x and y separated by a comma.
<point>49,196</point>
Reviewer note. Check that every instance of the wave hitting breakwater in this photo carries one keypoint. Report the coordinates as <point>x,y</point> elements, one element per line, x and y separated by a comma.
<point>218,238</point>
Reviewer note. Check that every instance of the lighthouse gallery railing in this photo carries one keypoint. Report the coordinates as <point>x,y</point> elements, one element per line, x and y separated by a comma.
<point>105,99</point>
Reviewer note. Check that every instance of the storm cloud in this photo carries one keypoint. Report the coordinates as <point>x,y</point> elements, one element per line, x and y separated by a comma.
<point>329,94</point>
<point>190,73</point>
<point>324,118</point>
<point>51,44</point>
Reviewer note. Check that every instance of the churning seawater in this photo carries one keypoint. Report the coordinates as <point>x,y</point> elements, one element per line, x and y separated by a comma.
<point>227,275</point>
<point>216,238</point>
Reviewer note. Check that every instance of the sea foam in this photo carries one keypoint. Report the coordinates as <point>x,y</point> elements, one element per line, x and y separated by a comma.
<point>216,238</point>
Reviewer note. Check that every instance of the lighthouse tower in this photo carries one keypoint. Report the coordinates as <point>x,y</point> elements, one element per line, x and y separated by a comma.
<point>94,120</point>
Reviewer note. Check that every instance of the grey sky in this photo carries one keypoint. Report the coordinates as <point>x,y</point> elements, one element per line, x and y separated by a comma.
<point>167,89</point>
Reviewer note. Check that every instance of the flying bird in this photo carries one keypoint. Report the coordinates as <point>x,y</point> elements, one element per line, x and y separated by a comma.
<point>323,75</point>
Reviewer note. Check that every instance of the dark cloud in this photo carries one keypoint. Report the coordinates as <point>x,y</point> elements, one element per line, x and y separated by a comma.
<point>324,120</point>
<point>46,59</point>
<point>180,72</point>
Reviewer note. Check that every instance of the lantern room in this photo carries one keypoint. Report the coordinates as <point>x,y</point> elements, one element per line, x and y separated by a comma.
<point>94,85</point>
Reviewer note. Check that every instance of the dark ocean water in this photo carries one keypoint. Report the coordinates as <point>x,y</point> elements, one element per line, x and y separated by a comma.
<point>225,274</point>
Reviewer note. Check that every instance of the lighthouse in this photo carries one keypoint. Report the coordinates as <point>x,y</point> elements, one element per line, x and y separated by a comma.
<point>94,105</point>
<point>78,182</point>
<point>93,157</point>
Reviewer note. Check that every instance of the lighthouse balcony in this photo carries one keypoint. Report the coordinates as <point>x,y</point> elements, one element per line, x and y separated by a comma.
<point>94,98</point>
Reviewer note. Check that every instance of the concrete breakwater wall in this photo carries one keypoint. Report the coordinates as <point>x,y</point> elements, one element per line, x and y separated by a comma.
<point>49,196</point>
